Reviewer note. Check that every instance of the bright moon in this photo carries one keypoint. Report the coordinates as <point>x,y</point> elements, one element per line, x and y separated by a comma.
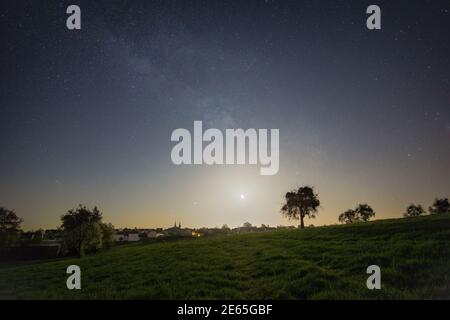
<point>242,196</point>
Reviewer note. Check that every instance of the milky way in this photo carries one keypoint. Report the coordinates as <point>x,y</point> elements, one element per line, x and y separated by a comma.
<point>364,116</point>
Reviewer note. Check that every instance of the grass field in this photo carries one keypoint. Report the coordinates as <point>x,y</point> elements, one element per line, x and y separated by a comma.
<point>315,263</point>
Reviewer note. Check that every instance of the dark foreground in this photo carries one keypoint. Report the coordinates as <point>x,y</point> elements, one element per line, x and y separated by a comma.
<point>315,263</point>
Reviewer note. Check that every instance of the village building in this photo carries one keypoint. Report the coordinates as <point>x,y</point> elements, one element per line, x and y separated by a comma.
<point>177,231</point>
<point>126,237</point>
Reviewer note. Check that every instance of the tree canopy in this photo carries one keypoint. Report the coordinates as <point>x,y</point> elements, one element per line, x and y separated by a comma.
<point>363,212</point>
<point>348,216</point>
<point>301,203</point>
<point>414,210</point>
<point>84,231</point>
<point>9,226</point>
<point>440,205</point>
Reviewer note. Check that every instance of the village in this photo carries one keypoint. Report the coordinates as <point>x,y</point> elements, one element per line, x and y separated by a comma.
<point>177,231</point>
<point>122,235</point>
<point>95,236</point>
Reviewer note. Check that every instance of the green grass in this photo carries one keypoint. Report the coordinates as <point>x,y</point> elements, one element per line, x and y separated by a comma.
<point>316,263</point>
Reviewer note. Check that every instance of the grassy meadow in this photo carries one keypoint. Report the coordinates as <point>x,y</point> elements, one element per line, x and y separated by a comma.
<point>314,263</point>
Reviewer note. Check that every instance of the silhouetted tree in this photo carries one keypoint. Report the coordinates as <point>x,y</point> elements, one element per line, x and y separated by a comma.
<point>301,203</point>
<point>247,225</point>
<point>414,210</point>
<point>82,230</point>
<point>440,206</point>
<point>348,216</point>
<point>107,235</point>
<point>364,212</point>
<point>9,227</point>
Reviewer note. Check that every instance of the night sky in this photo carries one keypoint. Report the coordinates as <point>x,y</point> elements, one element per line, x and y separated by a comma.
<point>86,116</point>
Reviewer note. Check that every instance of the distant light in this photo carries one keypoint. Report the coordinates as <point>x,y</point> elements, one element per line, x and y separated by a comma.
<point>242,196</point>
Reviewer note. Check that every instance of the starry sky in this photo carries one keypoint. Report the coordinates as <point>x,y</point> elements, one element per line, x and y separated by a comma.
<point>86,116</point>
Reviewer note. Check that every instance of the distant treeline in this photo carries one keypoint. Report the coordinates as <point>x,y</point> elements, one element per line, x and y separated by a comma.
<point>304,203</point>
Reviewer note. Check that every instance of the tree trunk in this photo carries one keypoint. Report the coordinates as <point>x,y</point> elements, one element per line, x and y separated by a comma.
<point>302,225</point>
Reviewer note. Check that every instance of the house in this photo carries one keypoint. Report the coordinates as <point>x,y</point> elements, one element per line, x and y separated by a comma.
<point>177,231</point>
<point>126,237</point>
<point>151,234</point>
<point>133,237</point>
<point>119,237</point>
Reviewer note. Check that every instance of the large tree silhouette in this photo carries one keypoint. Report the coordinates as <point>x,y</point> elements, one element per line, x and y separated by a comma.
<point>364,212</point>
<point>414,210</point>
<point>81,229</point>
<point>301,203</point>
<point>9,226</point>
<point>348,216</point>
<point>440,206</point>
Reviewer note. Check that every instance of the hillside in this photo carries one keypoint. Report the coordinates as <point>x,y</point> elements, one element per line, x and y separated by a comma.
<point>316,263</point>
